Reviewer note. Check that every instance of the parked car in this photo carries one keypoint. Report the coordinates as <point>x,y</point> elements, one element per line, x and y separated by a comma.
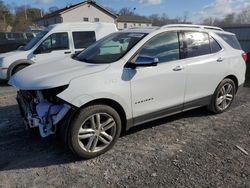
<point>91,98</point>
<point>56,41</point>
<point>10,41</point>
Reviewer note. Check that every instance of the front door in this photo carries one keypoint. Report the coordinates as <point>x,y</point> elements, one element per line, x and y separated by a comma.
<point>53,48</point>
<point>158,90</point>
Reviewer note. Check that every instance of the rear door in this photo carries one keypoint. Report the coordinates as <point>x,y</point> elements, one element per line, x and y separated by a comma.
<point>204,66</point>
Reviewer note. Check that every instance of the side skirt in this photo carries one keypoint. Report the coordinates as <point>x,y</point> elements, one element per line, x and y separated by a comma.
<point>168,112</point>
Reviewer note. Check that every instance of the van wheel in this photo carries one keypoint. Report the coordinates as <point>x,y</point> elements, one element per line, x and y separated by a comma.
<point>223,96</point>
<point>18,68</point>
<point>94,130</point>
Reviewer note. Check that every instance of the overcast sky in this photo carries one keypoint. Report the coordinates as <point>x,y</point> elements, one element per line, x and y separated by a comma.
<point>197,9</point>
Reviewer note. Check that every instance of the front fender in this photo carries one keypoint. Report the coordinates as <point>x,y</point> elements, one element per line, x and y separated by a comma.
<point>78,101</point>
<point>16,63</point>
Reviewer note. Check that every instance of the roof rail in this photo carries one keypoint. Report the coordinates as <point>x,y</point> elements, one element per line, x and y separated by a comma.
<point>149,27</point>
<point>193,26</point>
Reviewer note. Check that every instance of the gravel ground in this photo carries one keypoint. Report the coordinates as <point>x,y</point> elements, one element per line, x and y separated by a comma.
<point>192,149</point>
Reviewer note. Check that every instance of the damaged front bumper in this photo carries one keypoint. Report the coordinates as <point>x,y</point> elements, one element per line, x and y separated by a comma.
<point>38,111</point>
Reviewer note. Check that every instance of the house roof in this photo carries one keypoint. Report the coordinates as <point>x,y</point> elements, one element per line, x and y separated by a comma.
<point>72,7</point>
<point>133,19</point>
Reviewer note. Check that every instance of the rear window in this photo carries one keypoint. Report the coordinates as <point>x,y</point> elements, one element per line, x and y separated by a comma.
<point>231,40</point>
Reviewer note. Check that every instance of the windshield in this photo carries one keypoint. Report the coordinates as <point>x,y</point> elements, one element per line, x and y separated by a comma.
<point>35,40</point>
<point>111,48</point>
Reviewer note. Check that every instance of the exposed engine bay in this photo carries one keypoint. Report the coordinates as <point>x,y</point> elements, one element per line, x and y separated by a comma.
<point>42,109</point>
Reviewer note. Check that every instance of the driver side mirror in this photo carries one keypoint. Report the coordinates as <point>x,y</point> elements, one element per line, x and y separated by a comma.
<point>144,61</point>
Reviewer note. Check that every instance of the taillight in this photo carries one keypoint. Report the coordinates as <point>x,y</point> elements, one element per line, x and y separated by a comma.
<point>244,56</point>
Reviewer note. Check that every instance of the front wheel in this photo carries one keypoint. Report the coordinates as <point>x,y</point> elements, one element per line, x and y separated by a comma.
<point>94,130</point>
<point>223,96</point>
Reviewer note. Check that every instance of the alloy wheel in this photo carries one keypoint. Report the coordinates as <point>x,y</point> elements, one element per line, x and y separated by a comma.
<point>225,96</point>
<point>97,132</point>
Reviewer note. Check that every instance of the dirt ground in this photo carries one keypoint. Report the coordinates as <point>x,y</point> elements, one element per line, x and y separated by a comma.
<point>192,149</point>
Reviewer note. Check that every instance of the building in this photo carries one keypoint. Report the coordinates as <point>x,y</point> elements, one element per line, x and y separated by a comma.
<point>87,11</point>
<point>129,21</point>
<point>90,11</point>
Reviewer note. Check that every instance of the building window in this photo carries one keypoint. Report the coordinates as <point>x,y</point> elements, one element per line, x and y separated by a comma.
<point>85,19</point>
<point>125,25</point>
<point>147,24</point>
<point>97,20</point>
<point>139,24</point>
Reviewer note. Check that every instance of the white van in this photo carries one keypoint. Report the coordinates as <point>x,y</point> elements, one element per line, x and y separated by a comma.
<point>53,43</point>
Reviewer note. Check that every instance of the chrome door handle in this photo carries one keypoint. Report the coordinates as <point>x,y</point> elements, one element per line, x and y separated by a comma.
<point>178,68</point>
<point>220,59</point>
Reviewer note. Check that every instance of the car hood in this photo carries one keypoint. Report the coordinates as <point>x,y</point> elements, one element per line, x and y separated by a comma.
<point>53,74</point>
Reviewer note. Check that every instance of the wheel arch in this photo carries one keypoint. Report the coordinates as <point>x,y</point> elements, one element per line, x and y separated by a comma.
<point>17,63</point>
<point>235,80</point>
<point>112,103</point>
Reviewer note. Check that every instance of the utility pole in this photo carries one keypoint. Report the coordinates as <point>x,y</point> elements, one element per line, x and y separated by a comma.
<point>25,10</point>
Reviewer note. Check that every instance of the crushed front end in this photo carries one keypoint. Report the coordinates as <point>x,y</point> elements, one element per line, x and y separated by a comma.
<point>42,109</point>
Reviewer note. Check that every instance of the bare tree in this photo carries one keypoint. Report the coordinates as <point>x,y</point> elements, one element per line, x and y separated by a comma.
<point>127,11</point>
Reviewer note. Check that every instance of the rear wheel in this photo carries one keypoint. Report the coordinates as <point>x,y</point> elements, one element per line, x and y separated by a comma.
<point>94,130</point>
<point>223,96</point>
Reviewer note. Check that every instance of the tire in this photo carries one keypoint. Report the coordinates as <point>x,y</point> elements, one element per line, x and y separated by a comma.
<point>18,68</point>
<point>223,96</point>
<point>94,131</point>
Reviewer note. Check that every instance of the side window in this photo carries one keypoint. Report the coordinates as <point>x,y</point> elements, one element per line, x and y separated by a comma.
<point>164,46</point>
<point>197,44</point>
<point>83,39</point>
<point>56,41</point>
<point>214,45</point>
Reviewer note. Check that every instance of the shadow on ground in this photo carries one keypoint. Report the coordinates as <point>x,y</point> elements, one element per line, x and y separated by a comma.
<point>247,82</point>
<point>3,83</point>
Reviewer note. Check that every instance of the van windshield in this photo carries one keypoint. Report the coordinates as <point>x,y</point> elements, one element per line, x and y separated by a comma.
<point>35,40</point>
<point>111,48</point>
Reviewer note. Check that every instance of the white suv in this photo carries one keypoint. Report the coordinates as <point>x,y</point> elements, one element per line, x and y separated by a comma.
<point>129,78</point>
<point>54,42</point>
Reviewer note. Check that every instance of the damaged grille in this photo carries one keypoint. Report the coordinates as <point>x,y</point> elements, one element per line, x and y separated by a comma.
<point>43,109</point>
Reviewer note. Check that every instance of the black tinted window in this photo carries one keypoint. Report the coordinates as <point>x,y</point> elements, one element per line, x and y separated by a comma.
<point>18,35</point>
<point>215,47</point>
<point>197,44</point>
<point>83,39</point>
<point>231,40</point>
<point>165,47</point>
<point>2,36</point>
